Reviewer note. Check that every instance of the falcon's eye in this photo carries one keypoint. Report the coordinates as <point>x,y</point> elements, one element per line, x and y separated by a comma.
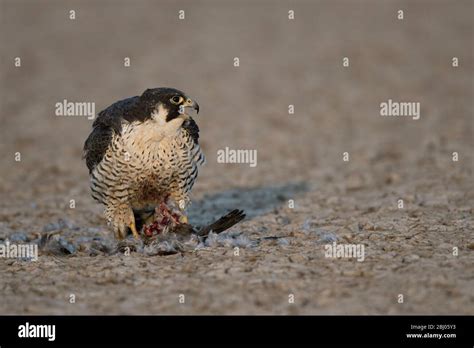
<point>176,99</point>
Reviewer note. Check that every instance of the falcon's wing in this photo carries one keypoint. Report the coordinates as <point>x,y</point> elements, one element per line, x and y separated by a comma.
<point>192,128</point>
<point>107,122</point>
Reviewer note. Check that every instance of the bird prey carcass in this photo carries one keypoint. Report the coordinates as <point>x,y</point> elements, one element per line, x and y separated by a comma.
<point>142,153</point>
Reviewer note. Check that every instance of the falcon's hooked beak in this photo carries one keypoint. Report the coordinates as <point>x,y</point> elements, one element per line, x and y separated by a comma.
<point>189,103</point>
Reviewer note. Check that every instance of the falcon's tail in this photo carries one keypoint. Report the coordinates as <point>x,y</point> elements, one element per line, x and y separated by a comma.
<point>224,223</point>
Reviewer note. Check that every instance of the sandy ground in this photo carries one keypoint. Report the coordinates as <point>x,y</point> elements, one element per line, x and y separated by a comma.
<point>408,251</point>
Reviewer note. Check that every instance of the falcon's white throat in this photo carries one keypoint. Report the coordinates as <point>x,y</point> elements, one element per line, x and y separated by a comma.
<point>139,137</point>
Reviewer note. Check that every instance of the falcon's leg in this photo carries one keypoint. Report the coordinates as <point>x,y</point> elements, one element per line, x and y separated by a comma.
<point>120,231</point>
<point>121,218</point>
<point>134,229</point>
<point>182,201</point>
<point>183,218</point>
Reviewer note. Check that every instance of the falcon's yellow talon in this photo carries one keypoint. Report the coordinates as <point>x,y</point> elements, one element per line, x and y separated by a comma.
<point>134,230</point>
<point>184,219</point>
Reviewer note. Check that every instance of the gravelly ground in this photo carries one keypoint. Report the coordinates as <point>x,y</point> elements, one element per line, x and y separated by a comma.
<point>408,251</point>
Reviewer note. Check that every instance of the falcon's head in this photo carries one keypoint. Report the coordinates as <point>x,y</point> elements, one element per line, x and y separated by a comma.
<point>165,104</point>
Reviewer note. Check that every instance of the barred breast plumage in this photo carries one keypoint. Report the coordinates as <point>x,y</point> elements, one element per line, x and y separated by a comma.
<point>145,173</point>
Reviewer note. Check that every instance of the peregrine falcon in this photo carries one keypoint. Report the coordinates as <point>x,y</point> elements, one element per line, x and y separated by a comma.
<point>143,152</point>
